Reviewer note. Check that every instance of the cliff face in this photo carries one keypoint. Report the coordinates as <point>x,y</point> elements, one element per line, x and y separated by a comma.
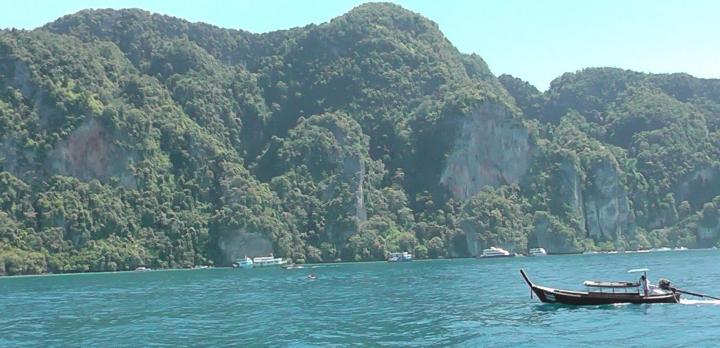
<point>352,173</point>
<point>89,154</point>
<point>606,204</point>
<point>491,149</point>
<point>570,188</point>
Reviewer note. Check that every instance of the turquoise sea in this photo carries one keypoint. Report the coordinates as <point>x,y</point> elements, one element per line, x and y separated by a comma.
<point>464,303</point>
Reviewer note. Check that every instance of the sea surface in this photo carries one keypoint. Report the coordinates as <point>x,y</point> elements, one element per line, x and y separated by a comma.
<point>463,303</point>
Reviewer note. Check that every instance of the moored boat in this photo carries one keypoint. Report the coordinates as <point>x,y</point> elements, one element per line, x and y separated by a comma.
<point>244,263</point>
<point>400,257</point>
<point>268,261</point>
<point>601,293</point>
<point>537,252</point>
<point>495,252</point>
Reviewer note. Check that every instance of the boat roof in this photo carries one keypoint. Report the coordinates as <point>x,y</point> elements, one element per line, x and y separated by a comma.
<point>637,270</point>
<point>601,284</point>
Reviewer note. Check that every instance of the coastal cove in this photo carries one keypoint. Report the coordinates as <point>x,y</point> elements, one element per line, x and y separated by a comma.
<point>457,302</point>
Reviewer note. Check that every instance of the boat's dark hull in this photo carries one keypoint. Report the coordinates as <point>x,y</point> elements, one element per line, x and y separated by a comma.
<point>550,295</point>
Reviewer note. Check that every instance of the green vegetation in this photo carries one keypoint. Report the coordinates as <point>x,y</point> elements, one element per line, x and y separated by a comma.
<point>132,139</point>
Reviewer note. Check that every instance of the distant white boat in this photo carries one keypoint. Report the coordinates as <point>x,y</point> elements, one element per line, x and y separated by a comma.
<point>268,261</point>
<point>260,261</point>
<point>142,269</point>
<point>400,257</point>
<point>680,248</point>
<point>244,263</point>
<point>495,252</point>
<point>538,252</point>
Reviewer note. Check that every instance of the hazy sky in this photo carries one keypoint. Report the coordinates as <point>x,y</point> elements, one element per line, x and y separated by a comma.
<point>534,40</point>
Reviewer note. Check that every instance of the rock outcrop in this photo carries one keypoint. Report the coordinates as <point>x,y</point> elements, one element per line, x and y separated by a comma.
<point>491,149</point>
<point>90,154</point>
<point>606,204</point>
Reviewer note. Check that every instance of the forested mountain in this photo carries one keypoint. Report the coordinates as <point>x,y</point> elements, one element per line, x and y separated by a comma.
<point>129,138</point>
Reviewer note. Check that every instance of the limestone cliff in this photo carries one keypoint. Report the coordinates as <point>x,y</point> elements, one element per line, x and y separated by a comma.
<point>606,204</point>
<point>353,174</point>
<point>491,149</point>
<point>89,153</point>
<point>573,187</point>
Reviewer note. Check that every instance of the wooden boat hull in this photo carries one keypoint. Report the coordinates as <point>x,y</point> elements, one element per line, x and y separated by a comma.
<point>580,298</point>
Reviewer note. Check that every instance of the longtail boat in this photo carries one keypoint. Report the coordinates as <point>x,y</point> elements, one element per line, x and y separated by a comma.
<point>602,293</point>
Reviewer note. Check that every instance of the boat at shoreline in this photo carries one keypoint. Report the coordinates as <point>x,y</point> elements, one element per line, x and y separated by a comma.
<point>243,263</point>
<point>259,262</point>
<point>268,261</point>
<point>494,252</point>
<point>537,252</point>
<point>400,257</point>
<point>603,293</point>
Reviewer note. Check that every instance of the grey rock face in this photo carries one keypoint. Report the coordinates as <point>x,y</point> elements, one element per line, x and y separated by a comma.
<point>571,187</point>
<point>606,204</point>
<point>492,149</point>
<point>471,237</point>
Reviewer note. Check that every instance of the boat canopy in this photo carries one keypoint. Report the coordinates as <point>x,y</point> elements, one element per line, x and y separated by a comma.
<point>638,270</point>
<point>600,284</point>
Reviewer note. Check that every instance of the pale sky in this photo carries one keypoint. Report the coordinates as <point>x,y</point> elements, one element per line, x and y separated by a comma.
<point>534,40</point>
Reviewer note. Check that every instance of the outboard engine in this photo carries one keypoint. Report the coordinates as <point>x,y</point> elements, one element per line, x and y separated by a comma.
<point>664,284</point>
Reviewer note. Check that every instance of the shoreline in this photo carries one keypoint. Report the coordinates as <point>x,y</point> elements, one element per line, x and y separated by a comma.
<point>331,264</point>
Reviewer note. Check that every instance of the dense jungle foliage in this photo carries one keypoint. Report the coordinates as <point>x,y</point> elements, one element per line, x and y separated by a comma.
<point>129,138</point>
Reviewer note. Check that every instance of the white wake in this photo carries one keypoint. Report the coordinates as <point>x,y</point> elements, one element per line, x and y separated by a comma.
<point>692,302</point>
